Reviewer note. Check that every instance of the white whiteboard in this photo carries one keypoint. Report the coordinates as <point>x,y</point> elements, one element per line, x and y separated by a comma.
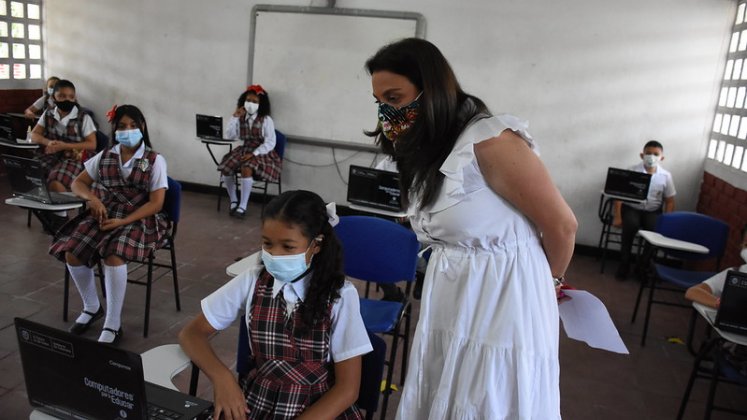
<point>311,62</point>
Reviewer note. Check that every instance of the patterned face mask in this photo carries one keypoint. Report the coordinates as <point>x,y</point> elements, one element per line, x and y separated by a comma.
<point>395,121</point>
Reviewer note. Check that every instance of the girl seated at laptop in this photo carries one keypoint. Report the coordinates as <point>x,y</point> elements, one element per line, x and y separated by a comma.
<point>125,186</point>
<point>708,293</point>
<point>305,328</point>
<point>256,158</point>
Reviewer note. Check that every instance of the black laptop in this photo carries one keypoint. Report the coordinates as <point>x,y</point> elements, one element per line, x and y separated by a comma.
<point>209,127</point>
<point>14,128</point>
<point>732,312</point>
<point>71,377</point>
<point>27,180</point>
<point>369,187</point>
<point>625,184</point>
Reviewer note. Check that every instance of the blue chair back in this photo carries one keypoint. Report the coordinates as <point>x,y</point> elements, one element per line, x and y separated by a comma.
<point>696,228</point>
<point>172,204</point>
<point>280,143</point>
<point>377,250</point>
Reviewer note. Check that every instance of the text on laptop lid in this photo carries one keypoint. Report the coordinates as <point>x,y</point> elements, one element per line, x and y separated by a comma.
<point>209,126</point>
<point>732,311</point>
<point>69,376</point>
<point>374,188</point>
<point>625,183</point>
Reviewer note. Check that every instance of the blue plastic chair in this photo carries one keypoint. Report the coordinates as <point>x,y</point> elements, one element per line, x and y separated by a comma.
<point>691,227</point>
<point>381,251</point>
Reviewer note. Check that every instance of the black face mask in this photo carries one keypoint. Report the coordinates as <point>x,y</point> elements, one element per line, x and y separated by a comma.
<point>65,106</point>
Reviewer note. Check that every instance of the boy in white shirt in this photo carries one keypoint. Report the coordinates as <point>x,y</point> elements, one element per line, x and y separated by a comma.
<point>631,217</point>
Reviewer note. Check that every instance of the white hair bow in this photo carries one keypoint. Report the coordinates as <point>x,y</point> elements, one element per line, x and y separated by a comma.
<point>332,214</point>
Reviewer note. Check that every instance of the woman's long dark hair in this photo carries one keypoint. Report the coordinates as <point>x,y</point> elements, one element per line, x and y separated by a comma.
<point>306,210</point>
<point>133,112</point>
<point>445,110</point>
<point>264,102</point>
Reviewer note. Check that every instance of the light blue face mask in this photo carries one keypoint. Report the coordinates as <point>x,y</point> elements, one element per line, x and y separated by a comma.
<point>285,268</point>
<point>129,138</point>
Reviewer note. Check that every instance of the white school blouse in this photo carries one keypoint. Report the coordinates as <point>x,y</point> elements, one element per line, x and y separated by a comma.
<point>61,128</point>
<point>347,338</point>
<point>268,132</point>
<point>158,177</point>
<point>716,283</point>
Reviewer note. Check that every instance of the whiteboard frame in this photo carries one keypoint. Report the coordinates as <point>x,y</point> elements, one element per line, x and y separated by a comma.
<point>419,33</point>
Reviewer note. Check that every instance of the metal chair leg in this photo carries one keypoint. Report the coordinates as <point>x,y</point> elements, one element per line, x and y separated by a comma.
<point>147,296</point>
<point>173,273</point>
<point>652,286</point>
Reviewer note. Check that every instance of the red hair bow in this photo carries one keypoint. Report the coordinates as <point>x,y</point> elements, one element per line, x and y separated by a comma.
<point>256,89</point>
<point>110,114</point>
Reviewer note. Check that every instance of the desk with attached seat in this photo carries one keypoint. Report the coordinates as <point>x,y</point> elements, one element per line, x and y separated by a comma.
<point>719,372</point>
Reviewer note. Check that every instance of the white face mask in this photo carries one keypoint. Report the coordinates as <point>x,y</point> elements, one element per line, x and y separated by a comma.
<point>50,91</point>
<point>743,254</point>
<point>651,160</point>
<point>251,107</point>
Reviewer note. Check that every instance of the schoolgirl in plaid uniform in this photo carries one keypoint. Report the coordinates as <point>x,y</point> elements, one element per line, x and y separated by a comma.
<point>125,186</point>
<point>306,333</point>
<point>256,158</point>
<point>45,101</point>
<point>63,132</point>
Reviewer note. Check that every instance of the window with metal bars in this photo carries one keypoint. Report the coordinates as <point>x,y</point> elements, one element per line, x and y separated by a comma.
<point>21,54</point>
<point>728,143</point>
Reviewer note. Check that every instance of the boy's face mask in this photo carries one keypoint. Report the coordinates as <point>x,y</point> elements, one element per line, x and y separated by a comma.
<point>651,160</point>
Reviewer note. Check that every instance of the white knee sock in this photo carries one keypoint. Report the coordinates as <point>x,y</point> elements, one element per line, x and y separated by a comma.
<point>115,278</point>
<point>230,183</point>
<point>246,189</point>
<point>83,279</point>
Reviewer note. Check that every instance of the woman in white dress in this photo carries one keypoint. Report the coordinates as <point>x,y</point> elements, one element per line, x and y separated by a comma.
<point>486,344</point>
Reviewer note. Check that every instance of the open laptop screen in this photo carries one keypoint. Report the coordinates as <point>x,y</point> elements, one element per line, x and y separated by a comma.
<point>25,176</point>
<point>72,377</point>
<point>627,184</point>
<point>375,188</point>
<point>732,312</point>
<point>209,127</point>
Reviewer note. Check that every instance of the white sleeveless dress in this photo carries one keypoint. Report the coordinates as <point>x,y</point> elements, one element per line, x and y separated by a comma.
<point>486,343</point>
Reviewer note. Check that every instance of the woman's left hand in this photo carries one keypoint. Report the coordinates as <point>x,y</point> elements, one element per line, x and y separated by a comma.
<point>247,157</point>
<point>111,224</point>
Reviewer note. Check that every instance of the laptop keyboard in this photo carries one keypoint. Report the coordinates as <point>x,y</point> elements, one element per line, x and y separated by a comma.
<point>159,413</point>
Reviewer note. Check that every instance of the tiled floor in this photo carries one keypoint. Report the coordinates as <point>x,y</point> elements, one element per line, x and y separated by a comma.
<point>647,384</point>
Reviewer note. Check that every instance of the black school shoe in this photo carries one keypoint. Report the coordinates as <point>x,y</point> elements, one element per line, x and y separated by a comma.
<point>79,328</point>
<point>239,213</point>
<point>117,335</point>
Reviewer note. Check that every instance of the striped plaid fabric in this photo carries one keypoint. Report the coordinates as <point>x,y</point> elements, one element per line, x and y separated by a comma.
<point>265,167</point>
<point>61,166</point>
<point>294,371</point>
<point>133,242</point>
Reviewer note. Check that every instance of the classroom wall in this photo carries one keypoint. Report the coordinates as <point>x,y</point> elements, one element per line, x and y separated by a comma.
<point>594,79</point>
<point>727,202</point>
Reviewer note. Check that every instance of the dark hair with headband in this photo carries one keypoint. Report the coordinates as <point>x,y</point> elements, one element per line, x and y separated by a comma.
<point>307,211</point>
